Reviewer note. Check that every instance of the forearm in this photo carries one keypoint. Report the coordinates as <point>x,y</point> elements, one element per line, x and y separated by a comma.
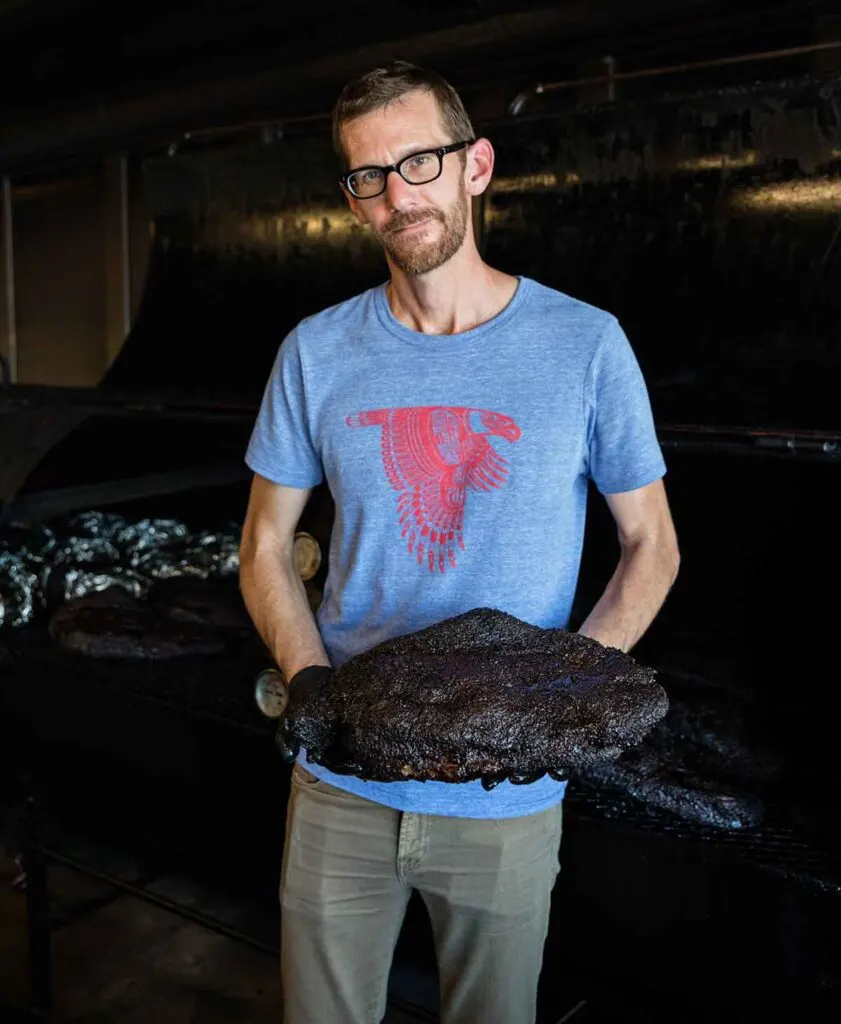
<point>277,603</point>
<point>634,595</point>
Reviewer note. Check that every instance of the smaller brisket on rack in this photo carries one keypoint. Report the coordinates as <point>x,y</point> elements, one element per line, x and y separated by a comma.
<point>113,624</point>
<point>697,764</point>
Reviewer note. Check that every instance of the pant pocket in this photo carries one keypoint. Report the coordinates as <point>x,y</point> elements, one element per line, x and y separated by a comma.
<point>305,779</point>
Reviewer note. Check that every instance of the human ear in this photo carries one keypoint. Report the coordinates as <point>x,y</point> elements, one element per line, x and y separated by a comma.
<point>479,167</point>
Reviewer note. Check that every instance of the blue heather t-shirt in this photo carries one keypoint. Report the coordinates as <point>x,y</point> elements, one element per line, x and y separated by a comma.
<point>459,466</point>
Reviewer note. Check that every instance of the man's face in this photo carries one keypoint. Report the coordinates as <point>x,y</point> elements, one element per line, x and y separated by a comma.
<point>420,226</point>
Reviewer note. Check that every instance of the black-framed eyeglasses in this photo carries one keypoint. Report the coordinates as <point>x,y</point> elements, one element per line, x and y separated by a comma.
<point>417,169</point>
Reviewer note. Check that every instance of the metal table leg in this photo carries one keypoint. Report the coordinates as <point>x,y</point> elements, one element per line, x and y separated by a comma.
<point>37,911</point>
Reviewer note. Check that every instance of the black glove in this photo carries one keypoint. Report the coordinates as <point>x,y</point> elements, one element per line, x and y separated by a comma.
<point>302,686</point>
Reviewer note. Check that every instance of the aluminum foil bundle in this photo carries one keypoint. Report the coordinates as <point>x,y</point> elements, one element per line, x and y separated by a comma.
<point>200,556</point>
<point>137,540</point>
<point>156,548</point>
<point>93,551</point>
<point>85,551</point>
<point>32,542</point>
<point>84,562</point>
<point>17,590</point>
<point>216,551</point>
<point>59,583</point>
<point>169,562</point>
<point>94,524</point>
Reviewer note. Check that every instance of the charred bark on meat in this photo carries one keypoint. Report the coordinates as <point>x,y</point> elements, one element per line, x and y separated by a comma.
<point>479,696</point>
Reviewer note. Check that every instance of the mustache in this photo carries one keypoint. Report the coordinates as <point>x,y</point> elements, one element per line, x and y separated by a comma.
<point>405,220</point>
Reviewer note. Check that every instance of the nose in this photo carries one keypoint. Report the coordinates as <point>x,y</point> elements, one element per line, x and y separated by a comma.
<point>399,194</point>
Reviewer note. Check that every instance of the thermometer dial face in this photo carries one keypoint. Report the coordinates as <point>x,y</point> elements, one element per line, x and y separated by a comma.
<point>270,693</point>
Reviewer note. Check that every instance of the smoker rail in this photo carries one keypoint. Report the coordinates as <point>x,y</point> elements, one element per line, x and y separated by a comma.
<point>100,402</point>
<point>723,438</point>
<point>34,420</point>
<point>753,441</point>
<point>45,505</point>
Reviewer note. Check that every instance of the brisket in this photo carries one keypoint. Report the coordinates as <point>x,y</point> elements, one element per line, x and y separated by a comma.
<point>484,696</point>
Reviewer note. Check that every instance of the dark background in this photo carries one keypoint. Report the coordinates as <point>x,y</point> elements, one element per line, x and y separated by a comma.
<point>703,207</point>
<point>81,74</point>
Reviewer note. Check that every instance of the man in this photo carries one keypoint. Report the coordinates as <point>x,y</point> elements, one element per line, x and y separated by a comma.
<point>457,414</point>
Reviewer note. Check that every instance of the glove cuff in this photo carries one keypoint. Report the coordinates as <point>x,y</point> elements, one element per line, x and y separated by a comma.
<point>309,679</point>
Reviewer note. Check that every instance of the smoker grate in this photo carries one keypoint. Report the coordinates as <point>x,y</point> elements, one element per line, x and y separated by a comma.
<point>222,687</point>
<point>774,846</point>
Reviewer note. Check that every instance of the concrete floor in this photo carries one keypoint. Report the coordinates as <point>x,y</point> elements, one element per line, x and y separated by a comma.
<point>130,962</point>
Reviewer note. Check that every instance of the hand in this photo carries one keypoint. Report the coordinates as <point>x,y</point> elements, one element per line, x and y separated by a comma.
<point>304,685</point>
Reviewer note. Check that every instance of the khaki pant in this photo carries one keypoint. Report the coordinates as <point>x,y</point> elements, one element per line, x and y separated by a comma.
<point>349,867</point>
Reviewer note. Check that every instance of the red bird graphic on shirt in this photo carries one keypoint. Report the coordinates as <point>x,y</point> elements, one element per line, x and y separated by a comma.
<point>432,456</point>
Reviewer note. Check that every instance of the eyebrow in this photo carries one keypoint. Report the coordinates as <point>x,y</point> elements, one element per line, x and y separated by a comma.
<point>411,152</point>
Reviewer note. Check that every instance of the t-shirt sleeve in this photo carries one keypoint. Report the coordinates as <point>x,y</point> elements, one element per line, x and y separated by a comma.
<point>623,452</point>
<point>281,446</point>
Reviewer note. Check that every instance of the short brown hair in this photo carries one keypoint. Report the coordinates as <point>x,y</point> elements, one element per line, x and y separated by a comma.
<point>391,82</point>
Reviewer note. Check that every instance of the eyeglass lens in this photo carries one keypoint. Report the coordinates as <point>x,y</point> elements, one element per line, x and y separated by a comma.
<point>417,169</point>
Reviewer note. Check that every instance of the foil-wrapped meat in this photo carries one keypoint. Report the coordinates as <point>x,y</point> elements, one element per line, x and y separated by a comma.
<point>95,524</point>
<point>62,582</point>
<point>17,585</point>
<point>137,539</point>
<point>479,696</point>
<point>31,542</point>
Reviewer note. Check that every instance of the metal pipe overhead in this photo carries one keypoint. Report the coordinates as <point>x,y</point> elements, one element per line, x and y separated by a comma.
<point>611,78</point>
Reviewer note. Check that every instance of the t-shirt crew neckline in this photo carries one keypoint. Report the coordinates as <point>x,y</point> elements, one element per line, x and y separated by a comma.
<point>462,339</point>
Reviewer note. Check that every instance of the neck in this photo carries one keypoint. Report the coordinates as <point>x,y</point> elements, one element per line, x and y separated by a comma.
<point>457,296</point>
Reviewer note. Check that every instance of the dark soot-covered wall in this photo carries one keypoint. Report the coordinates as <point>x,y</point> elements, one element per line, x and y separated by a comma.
<point>248,242</point>
<point>709,225</point>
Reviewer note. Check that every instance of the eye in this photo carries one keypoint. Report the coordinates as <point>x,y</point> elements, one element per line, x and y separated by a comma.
<point>367,178</point>
<point>420,161</point>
